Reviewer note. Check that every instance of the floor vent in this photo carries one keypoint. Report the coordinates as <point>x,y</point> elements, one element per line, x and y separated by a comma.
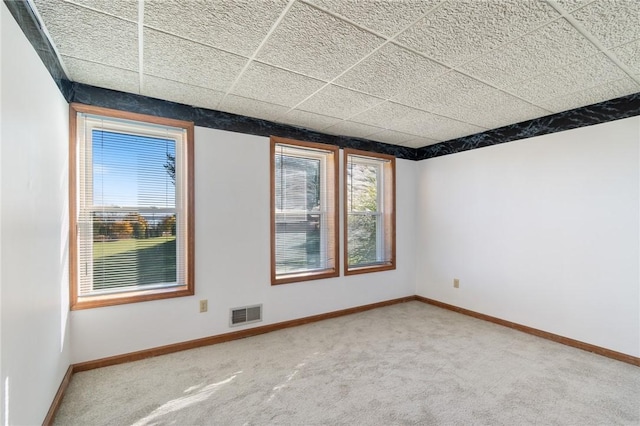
<point>245,315</point>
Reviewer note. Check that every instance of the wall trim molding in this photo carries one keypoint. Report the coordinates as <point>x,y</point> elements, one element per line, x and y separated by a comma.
<point>33,30</point>
<point>610,110</point>
<point>241,334</point>
<point>57,399</point>
<point>619,356</point>
<point>602,112</point>
<point>213,119</point>
<point>226,337</point>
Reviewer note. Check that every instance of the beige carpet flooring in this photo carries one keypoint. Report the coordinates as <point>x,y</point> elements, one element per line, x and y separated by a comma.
<point>404,364</point>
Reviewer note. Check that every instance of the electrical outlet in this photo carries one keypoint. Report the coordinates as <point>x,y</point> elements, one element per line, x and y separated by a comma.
<point>204,305</point>
<point>456,283</point>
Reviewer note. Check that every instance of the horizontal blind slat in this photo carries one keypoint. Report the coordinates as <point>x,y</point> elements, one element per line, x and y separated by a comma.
<point>304,209</point>
<point>130,225</point>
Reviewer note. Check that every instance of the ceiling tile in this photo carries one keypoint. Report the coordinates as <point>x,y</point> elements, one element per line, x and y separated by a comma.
<point>275,85</point>
<point>613,89</point>
<point>392,137</point>
<point>409,120</point>
<point>179,92</point>
<point>308,120</point>
<point>460,30</point>
<point>390,70</point>
<point>437,127</point>
<point>496,109</point>
<point>629,54</point>
<point>316,44</point>
<point>613,22</point>
<point>102,75</point>
<point>384,17</point>
<point>383,115</point>
<point>338,102</point>
<point>445,93</point>
<point>125,9</point>
<point>576,77</point>
<point>569,5</point>
<point>235,26</point>
<point>420,142</point>
<point>352,129</point>
<point>92,36</point>
<point>173,58</point>
<point>252,108</point>
<point>547,48</point>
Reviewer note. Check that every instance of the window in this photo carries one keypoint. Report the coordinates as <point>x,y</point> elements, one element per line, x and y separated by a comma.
<point>304,213</point>
<point>131,207</point>
<point>369,203</point>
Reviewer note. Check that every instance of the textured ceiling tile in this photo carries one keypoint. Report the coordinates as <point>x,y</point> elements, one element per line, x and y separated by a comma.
<point>409,120</point>
<point>383,115</point>
<point>607,91</point>
<point>173,58</point>
<point>102,75</point>
<point>275,85</point>
<point>392,137</point>
<point>316,44</point>
<point>384,17</point>
<point>126,9</point>
<point>498,109</point>
<point>353,129</point>
<point>613,22</point>
<point>91,36</point>
<point>576,77</point>
<point>308,120</point>
<point>252,108</point>
<point>462,29</point>
<point>547,48</point>
<point>338,102</point>
<point>420,142</point>
<point>390,70</point>
<point>237,26</point>
<point>437,127</point>
<point>569,5</point>
<point>629,54</point>
<point>445,93</point>
<point>179,92</point>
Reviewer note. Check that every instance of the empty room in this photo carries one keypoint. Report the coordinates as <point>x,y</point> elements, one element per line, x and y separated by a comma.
<point>318,212</point>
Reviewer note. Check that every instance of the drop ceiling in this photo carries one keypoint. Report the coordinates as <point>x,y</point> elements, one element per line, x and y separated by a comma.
<point>405,72</point>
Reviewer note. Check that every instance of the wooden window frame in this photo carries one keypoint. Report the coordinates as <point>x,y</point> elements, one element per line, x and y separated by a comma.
<point>335,197</point>
<point>188,288</point>
<point>389,218</point>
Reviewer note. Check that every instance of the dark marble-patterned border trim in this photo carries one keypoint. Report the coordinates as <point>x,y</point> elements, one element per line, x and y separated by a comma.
<point>90,95</point>
<point>28,22</point>
<point>614,109</point>
<point>202,117</point>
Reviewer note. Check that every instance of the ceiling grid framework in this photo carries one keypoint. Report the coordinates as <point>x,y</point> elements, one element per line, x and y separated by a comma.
<point>262,43</point>
<point>596,42</point>
<point>403,72</point>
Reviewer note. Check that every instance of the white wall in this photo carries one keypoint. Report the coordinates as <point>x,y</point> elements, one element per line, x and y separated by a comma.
<point>542,232</point>
<point>232,260</point>
<point>34,222</point>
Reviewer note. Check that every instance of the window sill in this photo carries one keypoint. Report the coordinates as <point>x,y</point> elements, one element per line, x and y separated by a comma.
<point>305,276</point>
<point>90,302</point>
<point>368,269</point>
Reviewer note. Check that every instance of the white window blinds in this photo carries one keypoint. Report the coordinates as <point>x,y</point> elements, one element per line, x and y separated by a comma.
<point>304,211</point>
<point>132,218</point>
<point>369,211</point>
